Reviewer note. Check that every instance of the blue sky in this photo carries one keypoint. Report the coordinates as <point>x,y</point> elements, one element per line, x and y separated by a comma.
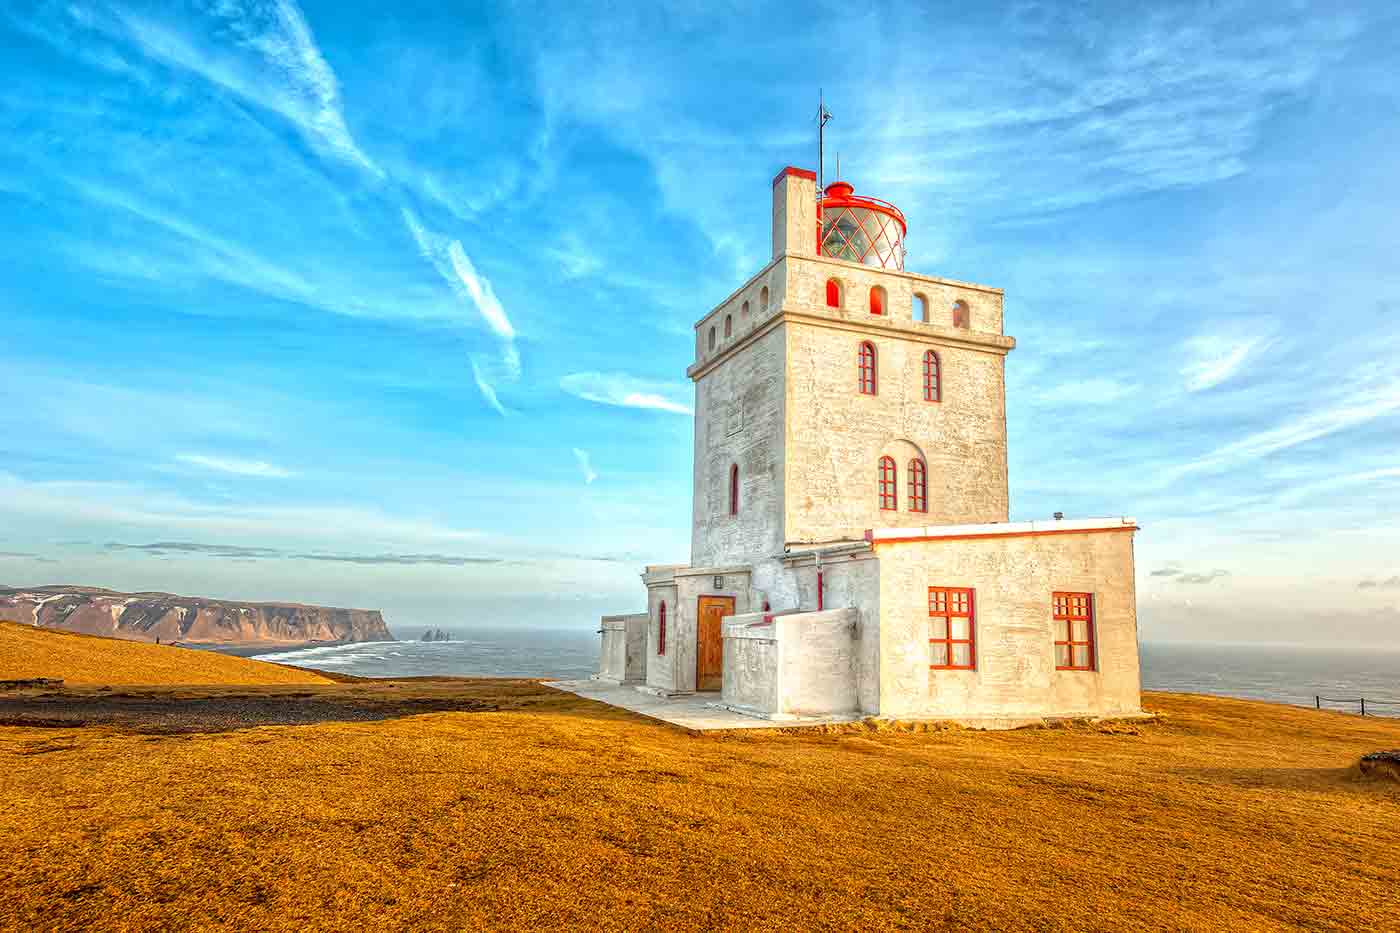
<point>390,305</point>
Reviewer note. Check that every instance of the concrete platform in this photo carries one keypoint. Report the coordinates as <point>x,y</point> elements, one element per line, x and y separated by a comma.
<point>699,712</point>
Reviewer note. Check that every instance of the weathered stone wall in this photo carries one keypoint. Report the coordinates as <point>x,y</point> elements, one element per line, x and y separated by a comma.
<point>623,657</point>
<point>836,435</point>
<point>849,581</point>
<point>1012,578</point>
<point>739,419</point>
<point>799,664</point>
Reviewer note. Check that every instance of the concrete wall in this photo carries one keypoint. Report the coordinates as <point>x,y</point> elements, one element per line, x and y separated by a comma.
<point>851,580</point>
<point>836,435</point>
<point>739,419</point>
<point>1012,579</point>
<point>624,644</point>
<point>681,588</point>
<point>800,664</point>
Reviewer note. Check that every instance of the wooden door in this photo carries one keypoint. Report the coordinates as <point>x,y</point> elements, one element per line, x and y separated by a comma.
<point>709,647</point>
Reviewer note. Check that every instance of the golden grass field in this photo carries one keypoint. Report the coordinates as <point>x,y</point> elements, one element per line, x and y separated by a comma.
<point>27,652</point>
<point>546,810</point>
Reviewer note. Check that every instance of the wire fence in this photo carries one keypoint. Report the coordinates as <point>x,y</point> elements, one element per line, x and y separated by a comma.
<point>1363,705</point>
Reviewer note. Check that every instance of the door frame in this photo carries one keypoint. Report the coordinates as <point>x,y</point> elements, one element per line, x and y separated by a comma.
<point>699,619</point>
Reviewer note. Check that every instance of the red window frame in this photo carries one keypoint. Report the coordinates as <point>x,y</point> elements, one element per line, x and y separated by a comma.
<point>918,485</point>
<point>889,484</point>
<point>951,609</point>
<point>962,314</point>
<point>661,629</point>
<point>734,489</point>
<point>866,368</point>
<point>1073,653</point>
<point>933,377</point>
<point>877,300</point>
<point>833,293</point>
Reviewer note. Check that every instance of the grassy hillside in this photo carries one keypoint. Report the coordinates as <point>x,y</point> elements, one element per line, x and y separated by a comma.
<point>554,811</point>
<point>27,652</point>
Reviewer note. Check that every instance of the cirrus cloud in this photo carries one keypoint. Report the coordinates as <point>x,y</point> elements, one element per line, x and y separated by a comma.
<point>625,391</point>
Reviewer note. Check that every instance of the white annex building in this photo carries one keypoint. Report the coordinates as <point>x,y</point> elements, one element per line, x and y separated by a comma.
<point>851,552</point>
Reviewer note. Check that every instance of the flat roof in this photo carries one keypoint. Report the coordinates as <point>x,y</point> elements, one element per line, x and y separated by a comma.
<point>1000,530</point>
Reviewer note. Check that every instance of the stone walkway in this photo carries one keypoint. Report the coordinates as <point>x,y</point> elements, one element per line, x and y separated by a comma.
<point>697,712</point>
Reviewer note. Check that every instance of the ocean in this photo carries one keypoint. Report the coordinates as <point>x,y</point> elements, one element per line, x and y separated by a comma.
<point>1282,674</point>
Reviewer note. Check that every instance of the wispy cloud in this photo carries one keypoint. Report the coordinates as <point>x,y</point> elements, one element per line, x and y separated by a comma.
<point>234,465</point>
<point>1212,360</point>
<point>626,391</point>
<point>161,548</point>
<point>1200,578</point>
<point>447,256</point>
<point>1389,583</point>
<point>1098,391</point>
<point>1310,490</point>
<point>240,552</point>
<point>1167,572</point>
<point>585,465</point>
<point>281,68</point>
<point>1361,406</point>
<point>487,390</point>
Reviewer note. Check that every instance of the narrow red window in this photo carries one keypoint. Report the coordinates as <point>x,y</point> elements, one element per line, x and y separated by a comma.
<point>734,489</point>
<point>933,378</point>
<point>866,360</point>
<point>833,293</point>
<point>877,300</point>
<point>1074,631</point>
<point>918,486</point>
<point>889,484</point>
<point>951,628</point>
<point>661,630</point>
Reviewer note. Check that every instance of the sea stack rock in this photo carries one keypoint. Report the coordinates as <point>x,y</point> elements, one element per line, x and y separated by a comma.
<point>435,634</point>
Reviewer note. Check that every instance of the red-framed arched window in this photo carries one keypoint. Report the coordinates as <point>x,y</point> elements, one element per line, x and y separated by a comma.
<point>933,378</point>
<point>734,489</point>
<point>889,484</point>
<point>865,364</point>
<point>661,629</point>
<point>918,486</point>
<point>962,315</point>
<point>833,293</point>
<point>877,300</point>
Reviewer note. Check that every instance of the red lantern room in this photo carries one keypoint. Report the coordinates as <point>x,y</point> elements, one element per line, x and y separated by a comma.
<point>860,229</point>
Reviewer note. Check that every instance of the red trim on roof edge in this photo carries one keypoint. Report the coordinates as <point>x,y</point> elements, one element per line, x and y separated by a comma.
<point>870,535</point>
<point>794,170</point>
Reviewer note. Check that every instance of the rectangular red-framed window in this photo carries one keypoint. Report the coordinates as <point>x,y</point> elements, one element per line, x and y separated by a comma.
<point>1073,615</point>
<point>952,628</point>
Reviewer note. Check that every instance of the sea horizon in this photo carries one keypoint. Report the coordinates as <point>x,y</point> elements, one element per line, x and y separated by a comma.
<point>1290,673</point>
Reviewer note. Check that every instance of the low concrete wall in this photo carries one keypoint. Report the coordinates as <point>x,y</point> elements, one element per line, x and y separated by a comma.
<point>798,664</point>
<point>622,658</point>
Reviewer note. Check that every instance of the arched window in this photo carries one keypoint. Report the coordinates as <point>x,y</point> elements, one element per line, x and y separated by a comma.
<point>889,484</point>
<point>734,489</point>
<point>918,486</point>
<point>877,300</point>
<point>763,299</point>
<point>745,308</point>
<point>728,326</point>
<point>712,338</point>
<point>921,309</point>
<point>661,629</point>
<point>833,293</point>
<point>866,366</point>
<point>933,378</point>
<point>962,315</point>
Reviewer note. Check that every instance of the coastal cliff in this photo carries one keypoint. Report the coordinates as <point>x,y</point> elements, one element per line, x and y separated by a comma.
<point>192,619</point>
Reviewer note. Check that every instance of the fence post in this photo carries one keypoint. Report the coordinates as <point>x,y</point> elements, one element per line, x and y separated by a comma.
<point>1317,701</point>
<point>1363,706</point>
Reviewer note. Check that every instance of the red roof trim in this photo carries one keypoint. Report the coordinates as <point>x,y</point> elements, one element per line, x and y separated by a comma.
<point>869,534</point>
<point>794,170</point>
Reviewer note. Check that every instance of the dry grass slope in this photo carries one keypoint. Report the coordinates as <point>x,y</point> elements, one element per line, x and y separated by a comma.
<point>27,652</point>
<point>552,811</point>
